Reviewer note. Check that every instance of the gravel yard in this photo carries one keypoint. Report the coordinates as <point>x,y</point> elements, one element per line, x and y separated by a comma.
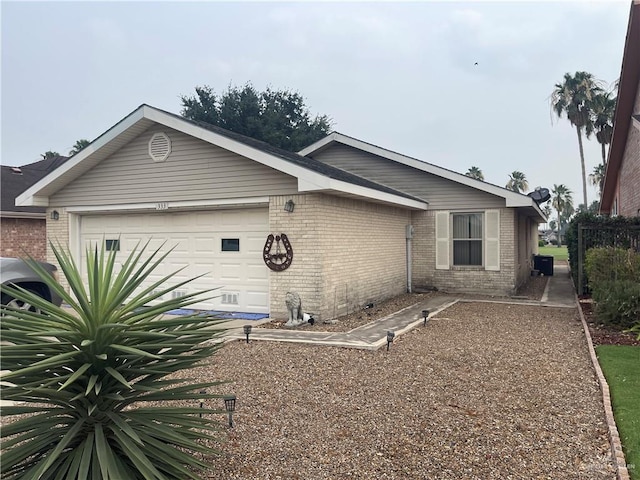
<point>485,391</point>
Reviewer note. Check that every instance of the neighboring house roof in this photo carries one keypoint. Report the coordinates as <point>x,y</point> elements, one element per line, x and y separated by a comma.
<point>312,175</point>
<point>512,199</point>
<point>16,180</point>
<point>627,92</point>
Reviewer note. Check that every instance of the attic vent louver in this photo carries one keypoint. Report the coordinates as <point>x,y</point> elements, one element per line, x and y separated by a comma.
<point>159,147</point>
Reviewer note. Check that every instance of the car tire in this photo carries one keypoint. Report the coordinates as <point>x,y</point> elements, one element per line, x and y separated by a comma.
<point>9,301</point>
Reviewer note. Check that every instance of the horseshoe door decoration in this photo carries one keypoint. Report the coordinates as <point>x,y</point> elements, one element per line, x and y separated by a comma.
<point>277,261</point>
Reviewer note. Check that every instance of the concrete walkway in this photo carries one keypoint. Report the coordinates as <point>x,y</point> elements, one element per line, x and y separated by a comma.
<point>558,293</point>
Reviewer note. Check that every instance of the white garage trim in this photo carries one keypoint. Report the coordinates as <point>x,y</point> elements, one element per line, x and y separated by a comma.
<point>227,202</point>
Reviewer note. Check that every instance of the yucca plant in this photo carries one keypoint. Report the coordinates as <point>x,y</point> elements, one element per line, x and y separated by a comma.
<point>90,382</point>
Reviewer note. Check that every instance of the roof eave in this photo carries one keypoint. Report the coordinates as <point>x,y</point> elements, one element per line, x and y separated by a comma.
<point>629,78</point>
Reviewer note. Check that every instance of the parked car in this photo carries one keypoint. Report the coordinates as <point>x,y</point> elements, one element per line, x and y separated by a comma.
<point>15,271</point>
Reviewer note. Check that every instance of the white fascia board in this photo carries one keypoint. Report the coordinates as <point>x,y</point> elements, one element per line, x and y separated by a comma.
<point>30,215</point>
<point>171,206</point>
<point>31,197</point>
<point>232,145</point>
<point>512,199</point>
<point>319,145</point>
<point>332,185</point>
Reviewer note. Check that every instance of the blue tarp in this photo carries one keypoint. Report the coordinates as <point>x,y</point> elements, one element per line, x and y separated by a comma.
<point>225,315</point>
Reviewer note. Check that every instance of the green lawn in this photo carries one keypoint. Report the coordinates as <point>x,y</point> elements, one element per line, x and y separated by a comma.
<point>558,253</point>
<point>620,365</point>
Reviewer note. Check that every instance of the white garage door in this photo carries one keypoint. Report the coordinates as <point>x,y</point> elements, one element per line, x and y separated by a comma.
<point>224,245</point>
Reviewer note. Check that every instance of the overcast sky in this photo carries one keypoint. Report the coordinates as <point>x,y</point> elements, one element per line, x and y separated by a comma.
<point>398,75</point>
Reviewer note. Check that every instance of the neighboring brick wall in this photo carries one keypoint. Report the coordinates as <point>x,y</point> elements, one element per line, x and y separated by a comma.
<point>629,203</point>
<point>464,279</point>
<point>20,237</point>
<point>347,253</point>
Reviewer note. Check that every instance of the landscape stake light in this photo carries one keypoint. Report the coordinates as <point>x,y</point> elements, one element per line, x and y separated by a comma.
<point>425,314</point>
<point>202,392</point>
<point>390,336</point>
<point>230,407</point>
<point>247,331</point>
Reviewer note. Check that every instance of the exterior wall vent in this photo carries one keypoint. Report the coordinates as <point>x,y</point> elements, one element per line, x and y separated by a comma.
<point>230,298</point>
<point>159,147</point>
<point>178,293</point>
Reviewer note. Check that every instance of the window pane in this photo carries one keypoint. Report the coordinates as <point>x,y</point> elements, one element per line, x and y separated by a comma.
<point>460,226</point>
<point>467,252</point>
<point>112,245</point>
<point>475,226</point>
<point>230,244</point>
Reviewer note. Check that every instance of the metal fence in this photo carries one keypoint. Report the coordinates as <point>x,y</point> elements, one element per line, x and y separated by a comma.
<point>592,236</point>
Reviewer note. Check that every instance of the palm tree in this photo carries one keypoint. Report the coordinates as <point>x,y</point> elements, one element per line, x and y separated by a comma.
<point>79,145</point>
<point>597,177</point>
<point>574,98</point>
<point>604,107</point>
<point>475,172</point>
<point>547,211</point>
<point>517,182</point>
<point>562,201</point>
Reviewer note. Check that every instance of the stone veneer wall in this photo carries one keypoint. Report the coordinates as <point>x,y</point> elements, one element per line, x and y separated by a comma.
<point>347,253</point>
<point>23,236</point>
<point>464,279</point>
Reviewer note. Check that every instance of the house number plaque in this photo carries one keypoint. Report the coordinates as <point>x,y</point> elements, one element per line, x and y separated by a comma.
<point>278,260</point>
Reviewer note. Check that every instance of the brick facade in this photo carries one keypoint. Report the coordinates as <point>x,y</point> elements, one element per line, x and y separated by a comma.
<point>629,177</point>
<point>23,236</point>
<point>347,253</point>
<point>58,233</point>
<point>464,279</point>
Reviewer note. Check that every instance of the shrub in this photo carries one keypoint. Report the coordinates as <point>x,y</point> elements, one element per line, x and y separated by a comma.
<point>541,243</point>
<point>553,241</point>
<point>614,277</point>
<point>87,380</point>
<point>618,303</point>
<point>609,263</point>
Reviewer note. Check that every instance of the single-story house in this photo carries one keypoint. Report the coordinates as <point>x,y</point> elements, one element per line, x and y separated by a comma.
<point>343,222</point>
<point>23,228</point>
<point>620,193</point>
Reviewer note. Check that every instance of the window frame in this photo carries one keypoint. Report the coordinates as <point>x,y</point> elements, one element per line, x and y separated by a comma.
<point>470,240</point>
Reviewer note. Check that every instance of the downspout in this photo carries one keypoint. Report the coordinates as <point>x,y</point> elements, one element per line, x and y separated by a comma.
<point>409,236</point>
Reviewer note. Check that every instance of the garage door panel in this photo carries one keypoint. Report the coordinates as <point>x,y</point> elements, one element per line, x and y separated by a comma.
<point>241,276</point>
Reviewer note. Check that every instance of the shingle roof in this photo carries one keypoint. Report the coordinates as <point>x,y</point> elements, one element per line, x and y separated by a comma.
<point>15,180</point>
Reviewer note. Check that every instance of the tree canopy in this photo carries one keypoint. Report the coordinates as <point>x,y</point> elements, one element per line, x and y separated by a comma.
<point>49,154</point>
<point>517,182</point>
<point>475,172</point>
<point>79,145</point>
<point>278,117</point>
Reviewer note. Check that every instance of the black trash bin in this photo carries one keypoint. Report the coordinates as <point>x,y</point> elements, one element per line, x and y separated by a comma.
<point>544,264</point>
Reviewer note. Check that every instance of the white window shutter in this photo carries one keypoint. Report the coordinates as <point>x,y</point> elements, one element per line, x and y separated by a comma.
<point>492,240</point>
<point>442,240</point>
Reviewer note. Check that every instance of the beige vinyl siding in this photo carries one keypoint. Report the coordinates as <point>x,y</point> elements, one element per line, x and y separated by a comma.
<point>195,170</point>
<point>439,192</point>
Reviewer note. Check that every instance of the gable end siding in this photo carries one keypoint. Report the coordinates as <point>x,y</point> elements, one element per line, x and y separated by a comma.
<point>439,192</point>
<point>195,170</point>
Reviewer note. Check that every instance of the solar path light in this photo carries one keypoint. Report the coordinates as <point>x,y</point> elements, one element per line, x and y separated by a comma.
<point>230,407</point>
<point>390,336</point>
<point>425,314</point>
<point>247,331</point>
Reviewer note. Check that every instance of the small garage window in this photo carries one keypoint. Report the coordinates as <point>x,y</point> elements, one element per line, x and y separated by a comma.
<point>112,245</point>
<point>230,244</point>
